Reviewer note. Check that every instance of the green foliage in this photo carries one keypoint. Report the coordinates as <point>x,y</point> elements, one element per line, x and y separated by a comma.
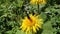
<point>11,12</point>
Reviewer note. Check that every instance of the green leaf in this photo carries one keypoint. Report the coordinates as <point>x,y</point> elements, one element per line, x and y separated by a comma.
<point>47,28</point>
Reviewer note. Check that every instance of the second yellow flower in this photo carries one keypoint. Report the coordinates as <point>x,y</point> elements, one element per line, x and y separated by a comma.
<point>37,1</point>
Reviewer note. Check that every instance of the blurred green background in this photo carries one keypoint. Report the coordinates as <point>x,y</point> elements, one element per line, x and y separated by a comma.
<point>11,12</point>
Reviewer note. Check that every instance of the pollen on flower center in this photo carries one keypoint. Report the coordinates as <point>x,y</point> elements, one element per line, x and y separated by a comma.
<point>30,22</point>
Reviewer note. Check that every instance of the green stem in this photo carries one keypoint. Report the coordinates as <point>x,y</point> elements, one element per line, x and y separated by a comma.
<point>38,9</point>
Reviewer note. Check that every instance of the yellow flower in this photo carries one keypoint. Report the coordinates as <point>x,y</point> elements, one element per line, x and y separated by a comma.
<point>38,1</point>
<point>31,24</point>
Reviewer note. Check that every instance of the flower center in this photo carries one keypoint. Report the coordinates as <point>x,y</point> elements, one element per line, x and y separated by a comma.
<point>30,22</point>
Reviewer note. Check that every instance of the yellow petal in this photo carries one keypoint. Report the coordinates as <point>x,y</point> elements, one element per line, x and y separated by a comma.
<point>34,29</point>
<point>28,29</point>
<point>23,29</point>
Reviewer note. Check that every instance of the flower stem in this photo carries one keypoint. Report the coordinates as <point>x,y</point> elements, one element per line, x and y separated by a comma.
<point>38,8</point>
